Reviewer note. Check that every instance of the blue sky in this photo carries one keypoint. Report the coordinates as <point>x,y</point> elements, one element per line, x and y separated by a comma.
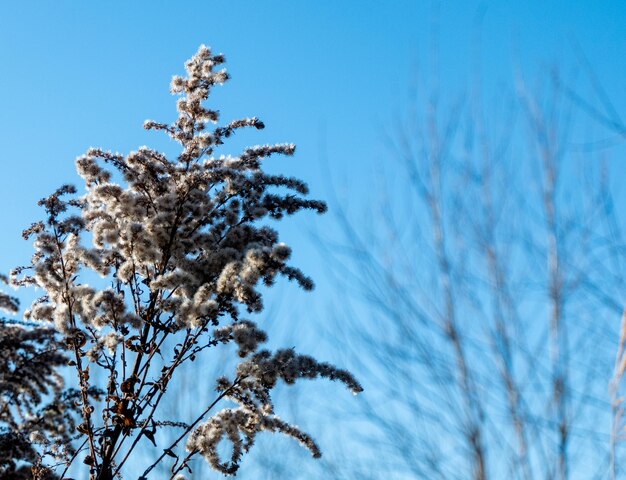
<point>328,76</point>
<point>80,74</point>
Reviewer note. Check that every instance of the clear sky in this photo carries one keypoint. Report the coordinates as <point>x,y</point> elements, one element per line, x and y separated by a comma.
<point>80,74</point>
<point>328,76</point>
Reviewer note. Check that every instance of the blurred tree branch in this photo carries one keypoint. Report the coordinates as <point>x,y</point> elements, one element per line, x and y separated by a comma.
<point>488,287</point>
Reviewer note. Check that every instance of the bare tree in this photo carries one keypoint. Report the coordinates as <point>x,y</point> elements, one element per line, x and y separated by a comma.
<point>487,290</point>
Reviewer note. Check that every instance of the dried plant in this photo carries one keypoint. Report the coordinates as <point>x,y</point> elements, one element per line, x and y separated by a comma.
<point>180,249</point>
<point>36,414</point>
